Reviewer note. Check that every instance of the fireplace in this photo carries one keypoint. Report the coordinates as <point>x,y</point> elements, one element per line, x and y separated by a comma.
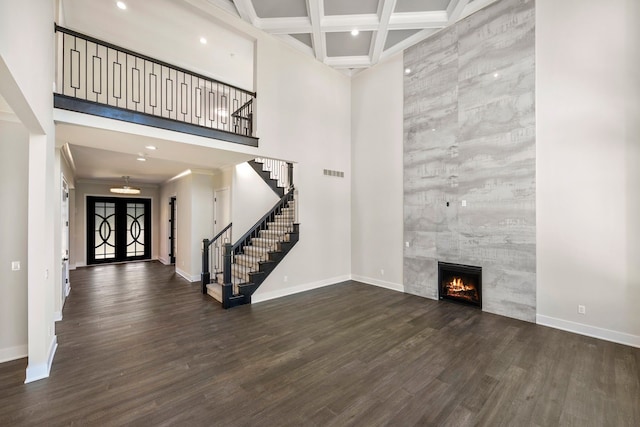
<point>460,283</point>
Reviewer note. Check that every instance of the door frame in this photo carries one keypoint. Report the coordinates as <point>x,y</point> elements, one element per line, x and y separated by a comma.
<point>217,227</point>
<point>173,225</point>
<point>121,232</point>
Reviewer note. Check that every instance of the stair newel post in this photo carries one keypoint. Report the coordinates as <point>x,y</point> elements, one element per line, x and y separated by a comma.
<point>290,173</point>
<point>227,285</point>
<point>206,274</point>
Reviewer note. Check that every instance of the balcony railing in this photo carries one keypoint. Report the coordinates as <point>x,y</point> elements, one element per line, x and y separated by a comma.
<point>99,78</point>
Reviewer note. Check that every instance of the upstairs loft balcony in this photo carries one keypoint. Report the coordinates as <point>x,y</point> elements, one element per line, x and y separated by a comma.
<point>98,78</point>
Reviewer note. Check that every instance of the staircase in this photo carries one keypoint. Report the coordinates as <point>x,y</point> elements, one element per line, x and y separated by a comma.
<point>239,269</point>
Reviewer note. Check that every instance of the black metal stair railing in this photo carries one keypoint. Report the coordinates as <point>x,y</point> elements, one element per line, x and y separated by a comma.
<point>283,217</point>
<point>213,256</point>
<point>100,78</point>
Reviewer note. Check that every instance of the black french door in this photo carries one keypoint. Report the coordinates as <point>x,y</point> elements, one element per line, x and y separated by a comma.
<point>118,229</point>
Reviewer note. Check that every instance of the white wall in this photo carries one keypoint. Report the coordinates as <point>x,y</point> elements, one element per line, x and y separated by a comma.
<point>304,115</point>
<point>587,167</point>
<point>201,218</point>
<point>14,175</point>
<point>251,198</point>
<point>94,188</point>
<point>26,82</point>
<point>376,184</point>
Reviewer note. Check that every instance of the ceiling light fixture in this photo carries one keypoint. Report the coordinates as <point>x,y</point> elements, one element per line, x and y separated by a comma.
<point>126,188</point>
<point>121,5</point>
<point>151,147</point>
<point>203,40</point>
<point>142,159</point>
<point>407,70</point>
<point>355,32</point>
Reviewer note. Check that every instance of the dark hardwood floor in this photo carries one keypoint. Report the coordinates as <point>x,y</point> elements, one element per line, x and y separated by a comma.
<point>140,346</point>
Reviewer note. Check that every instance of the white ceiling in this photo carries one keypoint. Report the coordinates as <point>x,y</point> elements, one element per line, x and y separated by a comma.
<point>322,28</point>
<point>92,161</point>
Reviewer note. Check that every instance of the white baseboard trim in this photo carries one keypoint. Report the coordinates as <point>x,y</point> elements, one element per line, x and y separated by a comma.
<point>590,331</point>
<point>187,276</point>
<point>57,316</point>
<point>68,290</point>
<point>279,293</point>
<point>42,370</point>
<point>164,261</point>
<point>72,266</point>
<point>380,283</point>
<point>80,264</point>
<point>13,353</point>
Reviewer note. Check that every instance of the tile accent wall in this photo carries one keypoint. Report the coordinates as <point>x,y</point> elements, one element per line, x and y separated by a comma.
<point>469,136</point>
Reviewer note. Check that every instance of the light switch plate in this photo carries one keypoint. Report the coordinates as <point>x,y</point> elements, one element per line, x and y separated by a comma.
<point>15,265</point>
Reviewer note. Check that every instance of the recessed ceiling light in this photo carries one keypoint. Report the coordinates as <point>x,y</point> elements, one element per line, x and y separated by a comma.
<point>496,75</point>
<point>433,130</point>
<point>407,70</point>
<point>121,5</point>
<point>151,147</point>
<point>203,40</point>
<point>355,32</point>
<point>142,159</point>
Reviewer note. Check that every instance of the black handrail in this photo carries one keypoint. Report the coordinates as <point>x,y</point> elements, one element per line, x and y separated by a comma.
<point>64,30</point>
<point>246,105</point>
<point>262,222</point>
<point>220,233</point>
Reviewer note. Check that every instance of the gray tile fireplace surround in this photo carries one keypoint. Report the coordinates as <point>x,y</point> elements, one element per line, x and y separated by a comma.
<point>469,136</point>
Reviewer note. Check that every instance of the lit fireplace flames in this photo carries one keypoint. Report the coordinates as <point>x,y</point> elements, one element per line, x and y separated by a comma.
<point>457,288</point>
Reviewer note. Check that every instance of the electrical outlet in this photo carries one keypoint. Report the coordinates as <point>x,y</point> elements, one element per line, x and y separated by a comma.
<point>15,265</point>
<point>406,244</point>
<point>382,271</point>
<point>464,203</point>
<point>582,309</point>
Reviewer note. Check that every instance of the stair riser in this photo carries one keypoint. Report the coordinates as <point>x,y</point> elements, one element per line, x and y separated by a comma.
<point>256,252</point>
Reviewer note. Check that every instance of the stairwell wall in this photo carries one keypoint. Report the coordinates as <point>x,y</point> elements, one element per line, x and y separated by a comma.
<point>304,116</point>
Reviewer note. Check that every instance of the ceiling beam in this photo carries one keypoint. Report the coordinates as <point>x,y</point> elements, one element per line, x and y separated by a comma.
<point>418,20</point>
<point>285,25</point>
<point>381,35</point>
<point>408,42</point>
<point>348,61</point>
<point>344,23</point>
<point>246,10</point>
<point>455,9</point>
<point>316,12</point>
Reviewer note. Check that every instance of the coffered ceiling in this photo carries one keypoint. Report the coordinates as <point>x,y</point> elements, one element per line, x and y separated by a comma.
<point>323,28</point>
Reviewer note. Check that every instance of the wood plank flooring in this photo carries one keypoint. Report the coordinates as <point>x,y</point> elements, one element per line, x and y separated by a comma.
<point>140,346</point>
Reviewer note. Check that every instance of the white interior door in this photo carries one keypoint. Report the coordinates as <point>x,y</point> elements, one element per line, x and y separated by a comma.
<point>222,211</point>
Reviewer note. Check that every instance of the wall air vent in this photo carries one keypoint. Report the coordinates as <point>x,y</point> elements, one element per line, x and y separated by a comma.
<point>328,172</point>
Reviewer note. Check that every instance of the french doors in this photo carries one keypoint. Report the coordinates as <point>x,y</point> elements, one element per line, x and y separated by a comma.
<point>118,229</point>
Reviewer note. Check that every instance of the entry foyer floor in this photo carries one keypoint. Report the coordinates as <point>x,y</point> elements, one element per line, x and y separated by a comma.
<point>140,346</point>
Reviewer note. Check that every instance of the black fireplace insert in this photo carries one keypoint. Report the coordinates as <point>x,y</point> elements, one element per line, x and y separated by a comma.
<point>460,283</point>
